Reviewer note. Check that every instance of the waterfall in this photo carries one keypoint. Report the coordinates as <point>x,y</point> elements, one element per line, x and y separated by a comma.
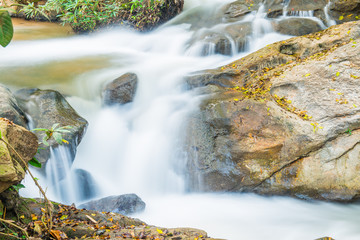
<point>137,147</point>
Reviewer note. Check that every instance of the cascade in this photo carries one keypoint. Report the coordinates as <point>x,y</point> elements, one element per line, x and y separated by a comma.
<point>137,147</point>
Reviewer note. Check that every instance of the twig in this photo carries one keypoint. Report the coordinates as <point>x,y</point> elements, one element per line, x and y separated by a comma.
<point>14,225</point>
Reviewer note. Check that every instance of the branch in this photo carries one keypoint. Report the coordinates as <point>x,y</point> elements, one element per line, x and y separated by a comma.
<point>14,225</point>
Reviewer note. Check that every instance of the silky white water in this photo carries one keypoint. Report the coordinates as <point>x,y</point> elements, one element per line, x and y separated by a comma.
<point>137,148</point>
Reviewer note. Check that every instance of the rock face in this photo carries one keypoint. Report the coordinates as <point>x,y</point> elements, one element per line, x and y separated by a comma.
<point>25,144</point>
<point>120,91</point>
<point>47,107</point>
<point>9,107</point>
<point>123,204</point>
<point>284,120</point>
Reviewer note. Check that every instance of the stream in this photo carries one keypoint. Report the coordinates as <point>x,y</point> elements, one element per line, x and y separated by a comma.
<point>137,147</point>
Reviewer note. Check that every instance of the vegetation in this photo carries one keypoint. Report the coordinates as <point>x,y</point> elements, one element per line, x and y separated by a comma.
<point>88,15</point>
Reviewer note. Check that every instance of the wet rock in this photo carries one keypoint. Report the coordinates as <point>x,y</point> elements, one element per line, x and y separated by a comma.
<point>25,144</point>
<point>9,107</point>
<point>124,204</point>
<point>286,122</point>
<point>306,5</point>
<point>296,26</point>
<point>47,107</point>
<point>345,11</point>
<point>121,90</point>
<point>226,40</point>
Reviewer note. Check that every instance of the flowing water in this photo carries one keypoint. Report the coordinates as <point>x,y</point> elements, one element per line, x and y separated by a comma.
<point>137,148</point>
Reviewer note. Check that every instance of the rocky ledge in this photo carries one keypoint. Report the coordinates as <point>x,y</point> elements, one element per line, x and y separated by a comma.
<point>72,223</point>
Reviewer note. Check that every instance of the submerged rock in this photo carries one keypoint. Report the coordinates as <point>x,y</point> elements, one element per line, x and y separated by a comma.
<point>47,107</point>
<point>284,120</point>
<point>120,91</point>
<point>25,143</point>
<point>85,184</point>
<point>124,204</point>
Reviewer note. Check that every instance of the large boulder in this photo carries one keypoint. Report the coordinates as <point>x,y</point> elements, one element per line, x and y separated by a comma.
<point>46,108</point>
<point>121,90</point>
<point>10,109</point>
<point>284,120</point>
<point>123,204</point>
<point>24,142</point>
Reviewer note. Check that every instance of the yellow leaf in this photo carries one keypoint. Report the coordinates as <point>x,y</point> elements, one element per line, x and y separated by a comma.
<point>338,74</point>
<point>348,32</point>
<point>235,99</point>
<point>63,217</point>
<point>22,216</point>
<point>64,141</point>
<point>34,218</point>
<point>354,105</point>
<point>308,74</point>
<point>159,231</point>
<point>341,18</point>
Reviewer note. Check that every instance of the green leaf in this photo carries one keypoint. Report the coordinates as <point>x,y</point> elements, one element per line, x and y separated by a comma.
<point>63,217</point>
<point>58,138</point>
<point>55,126</point>
<point>6,28</point>
<point>0,135</point>
<point>44,140</point>
<point>18,187</point>
<point>34,162</point>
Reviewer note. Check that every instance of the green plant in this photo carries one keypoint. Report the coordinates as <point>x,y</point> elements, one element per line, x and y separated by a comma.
<point>87,15</point>
<point>55,131</point>
<point>135,4</point>
<point>31,11</point>
<point>17,187</point>
<point>6,28</point>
